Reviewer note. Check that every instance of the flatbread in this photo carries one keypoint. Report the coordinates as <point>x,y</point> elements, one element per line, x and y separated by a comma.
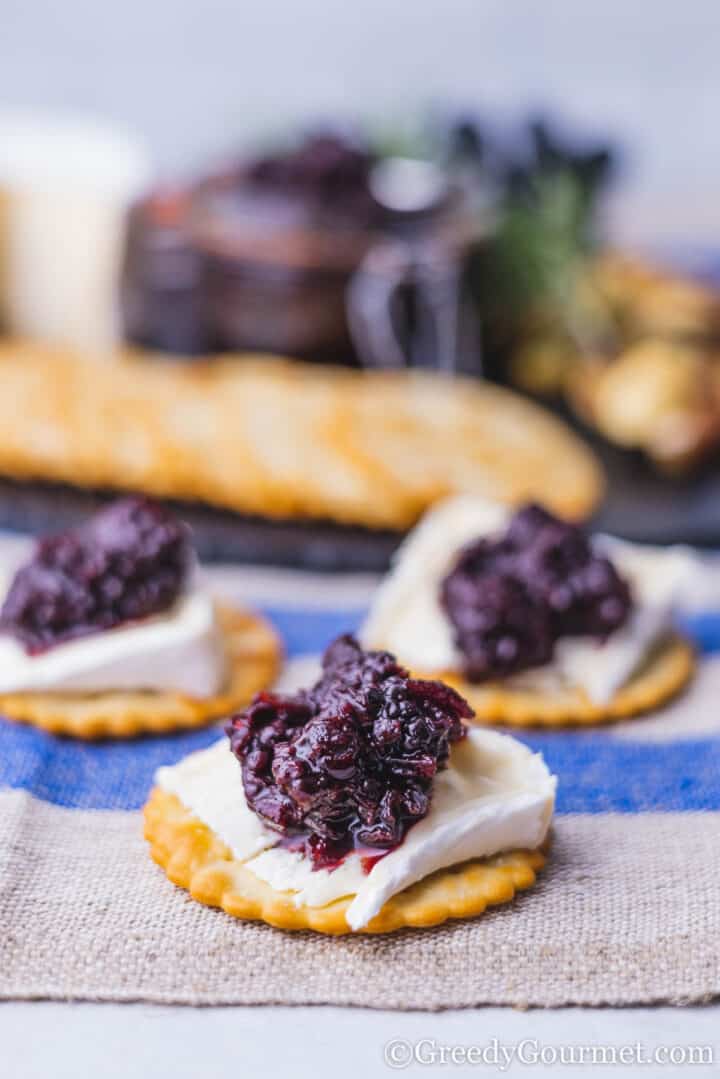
<point>283,439</point>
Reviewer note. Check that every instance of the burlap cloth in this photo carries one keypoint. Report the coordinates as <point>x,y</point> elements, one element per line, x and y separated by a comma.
<point>627,911</point>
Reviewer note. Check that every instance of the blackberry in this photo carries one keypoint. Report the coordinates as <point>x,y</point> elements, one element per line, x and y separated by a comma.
<point>500,627</point>
<point>126,563</point>
<point>511,598</point>
<point>327,169</point>
<point>350,762</point>
<point>583,591</point>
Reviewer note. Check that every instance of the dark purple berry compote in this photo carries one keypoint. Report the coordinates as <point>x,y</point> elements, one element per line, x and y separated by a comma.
<point>127,562</point>
<point>327,169</point>
<point>510,598</point>
<point>348,764</point>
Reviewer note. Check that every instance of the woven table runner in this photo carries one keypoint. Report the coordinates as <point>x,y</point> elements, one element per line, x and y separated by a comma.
<point>627,911</point>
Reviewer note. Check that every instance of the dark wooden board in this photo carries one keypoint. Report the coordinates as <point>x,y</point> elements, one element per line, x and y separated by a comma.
<point>219,536</point>
<point>644,506</point>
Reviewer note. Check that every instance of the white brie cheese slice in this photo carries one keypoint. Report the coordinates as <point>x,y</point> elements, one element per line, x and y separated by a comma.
<point>180,651</point>
<point>495,795</point>
<point>406,617</point>
<point>209,783</point>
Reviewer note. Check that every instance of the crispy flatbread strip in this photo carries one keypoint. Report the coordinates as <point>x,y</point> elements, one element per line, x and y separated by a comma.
<point>283,439</point>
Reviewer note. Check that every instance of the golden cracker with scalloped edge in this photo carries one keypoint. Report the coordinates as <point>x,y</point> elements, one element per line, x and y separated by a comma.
<point>194,858</point>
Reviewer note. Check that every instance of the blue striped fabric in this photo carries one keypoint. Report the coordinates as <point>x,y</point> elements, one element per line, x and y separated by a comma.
<point>598,772</point>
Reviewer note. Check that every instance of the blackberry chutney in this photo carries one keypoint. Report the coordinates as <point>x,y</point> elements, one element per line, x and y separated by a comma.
<point>349,763</point>
<point>127,562</point>
<point>510,598</point>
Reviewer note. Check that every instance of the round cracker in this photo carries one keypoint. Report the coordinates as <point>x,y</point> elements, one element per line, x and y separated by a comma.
<point>254,655</point>
<point>666,671</point>
<point>194,858</point>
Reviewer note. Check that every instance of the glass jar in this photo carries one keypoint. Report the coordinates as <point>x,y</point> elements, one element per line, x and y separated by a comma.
<point>369,275</point>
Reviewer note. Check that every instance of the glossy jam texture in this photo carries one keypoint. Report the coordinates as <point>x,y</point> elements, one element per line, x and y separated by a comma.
<point>127,562</point>
<point>349,763</point>
<point>511,598</point>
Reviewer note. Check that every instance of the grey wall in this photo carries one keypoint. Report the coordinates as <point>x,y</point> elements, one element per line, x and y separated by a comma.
<point>198,75</point>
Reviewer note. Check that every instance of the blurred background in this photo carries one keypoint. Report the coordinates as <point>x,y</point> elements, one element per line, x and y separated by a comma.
<point>197,78</point>
<point>516,192</point>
